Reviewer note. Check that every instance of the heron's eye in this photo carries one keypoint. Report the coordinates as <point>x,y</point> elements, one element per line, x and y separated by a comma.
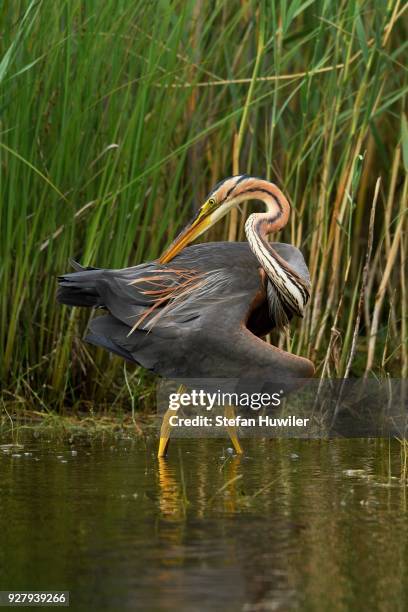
<point>212,202</point>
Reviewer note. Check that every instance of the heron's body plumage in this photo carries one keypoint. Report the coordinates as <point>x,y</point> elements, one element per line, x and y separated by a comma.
<point>210,326</point>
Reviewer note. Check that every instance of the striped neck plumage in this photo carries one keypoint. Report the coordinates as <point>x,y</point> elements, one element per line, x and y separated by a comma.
<point>292,290</point>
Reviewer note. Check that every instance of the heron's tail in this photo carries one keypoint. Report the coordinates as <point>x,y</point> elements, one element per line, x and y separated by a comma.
<point>79,288</point>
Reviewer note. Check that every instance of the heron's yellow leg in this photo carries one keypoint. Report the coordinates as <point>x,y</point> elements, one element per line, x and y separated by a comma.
<point>165,433</point>
<point>229,412</point>
<point>166,428</point>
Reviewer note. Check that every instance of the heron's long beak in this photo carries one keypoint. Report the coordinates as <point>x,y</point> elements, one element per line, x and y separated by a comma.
<point>203,221</point>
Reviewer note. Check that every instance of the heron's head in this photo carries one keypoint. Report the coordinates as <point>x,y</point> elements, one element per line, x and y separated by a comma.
<point>228,193</point>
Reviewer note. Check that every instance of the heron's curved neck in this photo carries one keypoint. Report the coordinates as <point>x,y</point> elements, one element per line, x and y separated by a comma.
<point>291,289</point>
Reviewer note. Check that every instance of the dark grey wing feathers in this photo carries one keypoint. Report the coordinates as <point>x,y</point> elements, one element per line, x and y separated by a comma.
<point>186,336</point>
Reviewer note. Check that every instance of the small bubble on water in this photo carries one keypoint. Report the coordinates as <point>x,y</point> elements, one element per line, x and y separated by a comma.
<point>16,455</point>
<point>74,453</point>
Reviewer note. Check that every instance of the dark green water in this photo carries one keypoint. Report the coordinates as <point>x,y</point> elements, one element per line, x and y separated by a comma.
<point>291,526</point>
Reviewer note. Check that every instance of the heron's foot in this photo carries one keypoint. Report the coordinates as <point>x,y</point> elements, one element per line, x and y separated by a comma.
<point>165,434</point>
<point>229,412</point>
<point>163,446</point>
<point>235,442</point>
<point>166,429</point>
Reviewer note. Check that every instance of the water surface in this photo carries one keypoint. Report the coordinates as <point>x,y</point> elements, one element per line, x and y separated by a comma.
<point>292,525</point>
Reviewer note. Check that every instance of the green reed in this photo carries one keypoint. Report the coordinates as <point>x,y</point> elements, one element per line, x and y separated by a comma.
<point>118,117</point>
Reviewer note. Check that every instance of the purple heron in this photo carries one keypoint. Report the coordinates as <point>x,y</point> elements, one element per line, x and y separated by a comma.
<point>201,311</point>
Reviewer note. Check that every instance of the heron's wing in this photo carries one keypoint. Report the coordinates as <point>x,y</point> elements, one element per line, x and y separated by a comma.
<point>201,332</point>
<point>163,296</point>
<point>213,350</point>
